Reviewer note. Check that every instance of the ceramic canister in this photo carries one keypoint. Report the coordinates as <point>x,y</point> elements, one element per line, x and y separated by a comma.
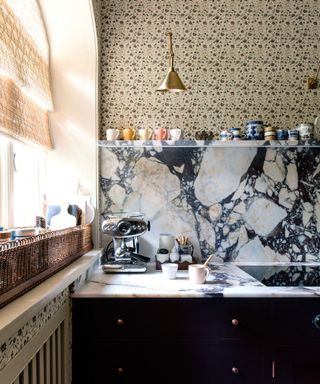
<point>305,130</point>
<point>254,130</point>
<point>225,135</point>
<point>282,134</point>
<point>236,135</point>
<point>293,134</point>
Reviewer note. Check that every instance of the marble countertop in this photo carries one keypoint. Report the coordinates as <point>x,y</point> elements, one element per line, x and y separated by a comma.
<point>225,280</point>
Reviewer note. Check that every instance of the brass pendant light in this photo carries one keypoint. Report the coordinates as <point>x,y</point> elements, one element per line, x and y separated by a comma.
<point>172,82</point>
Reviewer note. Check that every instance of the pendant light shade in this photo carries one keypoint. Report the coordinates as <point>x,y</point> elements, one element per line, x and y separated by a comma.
<point>171,82</point>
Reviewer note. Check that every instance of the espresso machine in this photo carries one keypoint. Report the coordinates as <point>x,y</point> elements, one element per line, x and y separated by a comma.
<point>122,255</point>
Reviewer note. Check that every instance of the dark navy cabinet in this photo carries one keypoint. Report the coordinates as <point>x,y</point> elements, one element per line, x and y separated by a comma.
<point>205,340</point>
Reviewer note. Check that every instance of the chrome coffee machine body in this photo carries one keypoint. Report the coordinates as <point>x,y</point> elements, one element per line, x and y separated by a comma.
<point>122,253</point>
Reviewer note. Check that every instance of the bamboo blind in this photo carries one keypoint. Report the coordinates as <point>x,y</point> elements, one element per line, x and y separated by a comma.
<point>25,96</point>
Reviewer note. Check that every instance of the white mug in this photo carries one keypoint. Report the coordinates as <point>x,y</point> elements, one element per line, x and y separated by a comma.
<point>145,133</point>
<point>175,133</point>
<point>198,273</point>
<point>113,134</point>
<point>169,270</point>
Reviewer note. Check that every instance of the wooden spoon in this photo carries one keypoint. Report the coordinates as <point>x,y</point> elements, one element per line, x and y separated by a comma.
<point>207,261</point>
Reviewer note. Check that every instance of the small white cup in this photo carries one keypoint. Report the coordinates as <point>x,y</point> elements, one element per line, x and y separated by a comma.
<point>169,270</point>
<point>175,134</point>
<point>198,273</point>
<point>113,134</point>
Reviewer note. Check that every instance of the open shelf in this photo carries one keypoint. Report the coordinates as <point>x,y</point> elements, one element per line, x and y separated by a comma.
<point>211,143</point>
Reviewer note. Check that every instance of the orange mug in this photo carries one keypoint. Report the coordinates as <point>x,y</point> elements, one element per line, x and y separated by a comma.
<point>160,134</point>
<point>129,134</point>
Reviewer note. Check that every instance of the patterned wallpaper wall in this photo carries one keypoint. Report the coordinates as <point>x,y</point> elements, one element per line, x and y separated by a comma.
<point>239,59</point>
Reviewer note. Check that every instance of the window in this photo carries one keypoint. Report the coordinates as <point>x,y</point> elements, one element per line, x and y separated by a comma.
<point>22,177</point>
<point>25,99</point>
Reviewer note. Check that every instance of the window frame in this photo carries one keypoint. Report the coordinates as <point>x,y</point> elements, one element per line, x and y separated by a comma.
<point>7,169</point>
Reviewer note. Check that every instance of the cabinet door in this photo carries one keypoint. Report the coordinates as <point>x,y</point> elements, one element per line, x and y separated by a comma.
<point>296,321</point>
<point>294,365</point>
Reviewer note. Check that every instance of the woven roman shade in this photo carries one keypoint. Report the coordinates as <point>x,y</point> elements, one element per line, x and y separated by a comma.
<point>25,96</point>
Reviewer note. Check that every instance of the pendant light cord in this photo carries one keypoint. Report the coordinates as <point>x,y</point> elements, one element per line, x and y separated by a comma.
<point>171,50</point>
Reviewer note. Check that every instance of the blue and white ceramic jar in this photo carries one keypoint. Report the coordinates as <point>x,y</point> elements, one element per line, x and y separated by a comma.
<point>254,130</point>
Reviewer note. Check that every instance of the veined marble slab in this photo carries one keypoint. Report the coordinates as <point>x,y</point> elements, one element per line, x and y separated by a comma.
<point>225,280</point>
<point>257,203</point>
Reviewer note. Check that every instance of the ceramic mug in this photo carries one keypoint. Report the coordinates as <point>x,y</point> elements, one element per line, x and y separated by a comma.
<point>282,134</point>
<point>113,134</point>
<point>145,133</point>
<point>305,130</point>
<point>198,273</point>
<point>254,130</point>
<point>235,132</point>
<point>225,135</point>
<point>129,134</point>
<point>160,134</point>
<point>175,133</point>
<point>169,270</point>
<point>293,134</point>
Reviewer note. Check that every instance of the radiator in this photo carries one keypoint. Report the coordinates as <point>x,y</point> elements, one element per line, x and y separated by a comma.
<point>45,358</point>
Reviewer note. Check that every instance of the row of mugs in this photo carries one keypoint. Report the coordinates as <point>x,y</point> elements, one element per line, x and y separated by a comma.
<point>144,134</point>
<point>268,133</point>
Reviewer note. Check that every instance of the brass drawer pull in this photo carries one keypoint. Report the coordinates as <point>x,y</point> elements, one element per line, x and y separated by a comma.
<point>120,322</point>
<point>235,370</point>
<point>120,371</point>
<point>235,322</point>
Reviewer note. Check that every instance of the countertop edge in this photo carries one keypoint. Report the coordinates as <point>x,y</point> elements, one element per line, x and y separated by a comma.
<point>15,314</point>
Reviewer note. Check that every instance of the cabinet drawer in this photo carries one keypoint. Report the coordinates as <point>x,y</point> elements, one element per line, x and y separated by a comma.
<point>166,318</point>
<point>172,362</point>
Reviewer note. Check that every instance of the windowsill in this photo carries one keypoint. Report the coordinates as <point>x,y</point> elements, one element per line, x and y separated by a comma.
<point>14,314</point>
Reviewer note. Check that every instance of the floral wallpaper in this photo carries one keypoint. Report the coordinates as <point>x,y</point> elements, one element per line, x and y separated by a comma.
<point>239,59</point>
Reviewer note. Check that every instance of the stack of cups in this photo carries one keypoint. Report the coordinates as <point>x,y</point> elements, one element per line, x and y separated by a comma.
<point>270,133</point>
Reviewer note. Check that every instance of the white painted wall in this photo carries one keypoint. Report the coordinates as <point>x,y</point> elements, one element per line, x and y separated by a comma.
<point>73,121</point>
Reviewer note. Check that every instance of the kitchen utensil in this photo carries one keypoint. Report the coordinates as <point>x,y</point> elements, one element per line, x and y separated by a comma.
<point>207,261</point>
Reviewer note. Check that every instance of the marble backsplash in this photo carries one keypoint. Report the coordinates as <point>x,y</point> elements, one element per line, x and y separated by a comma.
<point>243,204</point>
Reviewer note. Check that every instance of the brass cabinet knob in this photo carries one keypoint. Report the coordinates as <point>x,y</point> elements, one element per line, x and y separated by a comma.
<point>235,322</point>
<point>120,322</point>
<point>120,371</point>
<point>235,370</point>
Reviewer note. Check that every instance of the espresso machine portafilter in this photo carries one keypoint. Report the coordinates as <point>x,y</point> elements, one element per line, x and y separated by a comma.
<point>122,253</point>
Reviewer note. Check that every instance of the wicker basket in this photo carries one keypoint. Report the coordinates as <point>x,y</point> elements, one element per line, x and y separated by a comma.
<point>27,262</point>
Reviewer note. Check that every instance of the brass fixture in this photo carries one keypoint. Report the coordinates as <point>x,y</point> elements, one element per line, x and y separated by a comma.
<point>172,82</point>
<point>312,82</point>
